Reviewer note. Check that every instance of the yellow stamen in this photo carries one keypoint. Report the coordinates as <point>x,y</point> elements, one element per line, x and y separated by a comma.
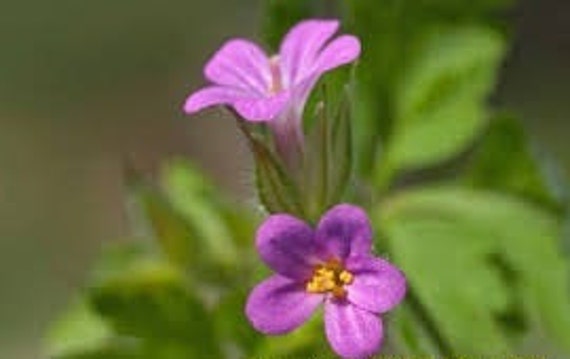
<point>330,277</point>
<point>346,277</point>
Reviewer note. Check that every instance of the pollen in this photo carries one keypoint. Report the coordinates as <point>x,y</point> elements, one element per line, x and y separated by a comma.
<point>330,277</point>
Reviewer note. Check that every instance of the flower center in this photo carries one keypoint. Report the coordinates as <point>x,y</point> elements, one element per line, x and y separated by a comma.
<point>330,277</point>
<point>276,83</point>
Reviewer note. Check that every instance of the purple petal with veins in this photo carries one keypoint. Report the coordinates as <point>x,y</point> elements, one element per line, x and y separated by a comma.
<point>345,230</point>
<point>352,332</point>
<point>286,244</point>
<point>378,286</point>
<point>240,64</point>
<point>271,89</point>
<point>279,305</point>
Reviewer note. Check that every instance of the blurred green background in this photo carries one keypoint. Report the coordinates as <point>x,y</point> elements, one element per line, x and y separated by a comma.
<point>86,87</point>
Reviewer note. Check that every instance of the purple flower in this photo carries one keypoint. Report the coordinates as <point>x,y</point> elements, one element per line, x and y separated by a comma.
<point>259,87</point>
<point>331,265</point>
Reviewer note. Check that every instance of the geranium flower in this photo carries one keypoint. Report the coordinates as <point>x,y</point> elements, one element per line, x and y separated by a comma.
<point>331,265</point>
<point>259,87</point>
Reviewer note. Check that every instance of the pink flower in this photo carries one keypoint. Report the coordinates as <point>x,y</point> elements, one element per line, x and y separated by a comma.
<point>261,88</point>
<point>331,266</point>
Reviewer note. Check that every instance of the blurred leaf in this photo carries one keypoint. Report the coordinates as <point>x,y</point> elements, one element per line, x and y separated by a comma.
<point>176,238</point>
<point>409,334</point>
<point>113,349</point>
<point>281,15</point>
<point>395,27</point>
<point>507,161</point>
<point>481,10</point>
<point>196,201</point>
<point>148,300</point>
<point>232,324</point>
<point>131,348</point>
<point>440,102</point>
<point>116,257</point>
<point>316,164</point>
<point>342,157</point>
<point>139,308</point>
<point>473,257</point>
<point>383,25</point>
<point>328,155</point>
<point>78,330</point>
<point>453,281</point>
<point>241,223</point>
<point>308,341</point>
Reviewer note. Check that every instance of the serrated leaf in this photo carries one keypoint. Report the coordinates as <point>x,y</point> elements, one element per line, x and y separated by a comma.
<point>440,102</point>
<point>448,241</point>
<point>389,30</point>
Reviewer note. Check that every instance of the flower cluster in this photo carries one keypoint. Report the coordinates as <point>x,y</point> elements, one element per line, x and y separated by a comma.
<point>330,265</point>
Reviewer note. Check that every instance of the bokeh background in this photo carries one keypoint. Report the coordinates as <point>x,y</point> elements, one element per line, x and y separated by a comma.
<point>86,87</point>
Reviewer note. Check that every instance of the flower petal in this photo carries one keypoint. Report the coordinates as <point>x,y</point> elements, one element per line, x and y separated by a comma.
<point>279,305</point>
<point>242,64</point>
<point>210,96</point>
<point>378,286</point>
<point>345,230</point>
<point>351,331</point>
<point>341,51</point>
<point>262,109</point>
<point>287,245</point>
<point>300,48</point>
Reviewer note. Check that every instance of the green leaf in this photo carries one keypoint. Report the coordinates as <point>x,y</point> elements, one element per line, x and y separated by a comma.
<point>308,341</point>
<point>176,238</point>
<point>131,348</point>
<point>327,165</point>
<point>389,31</point>
<point>341,159</point>
<point>78,330</point>
<point>232,324</point>
<point>281,15</point>
<point>484,265</point>
<point>409,333</point>
<point>148,299</point>
<point>118,348</point>
<point>507,161</point>
<point>196,201</point>
<point>440,102</point>
<point>276,189</point>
